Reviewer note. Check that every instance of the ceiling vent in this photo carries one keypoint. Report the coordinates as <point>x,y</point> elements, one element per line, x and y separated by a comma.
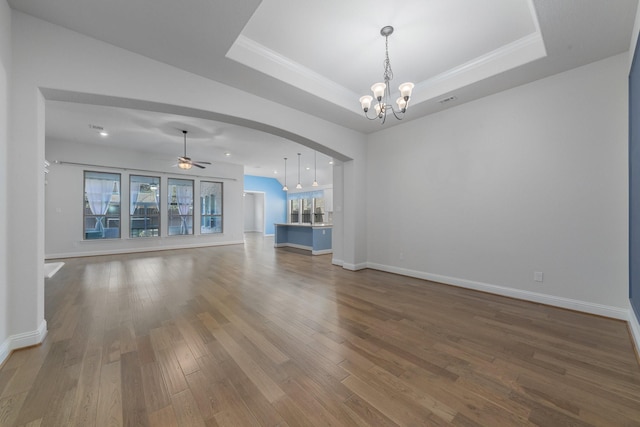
<point>447,99</point>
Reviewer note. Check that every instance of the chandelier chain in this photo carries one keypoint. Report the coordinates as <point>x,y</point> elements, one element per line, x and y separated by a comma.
<point>388,72</point>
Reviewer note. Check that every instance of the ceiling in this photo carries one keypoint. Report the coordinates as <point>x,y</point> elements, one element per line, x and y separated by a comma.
<point>320,57</point>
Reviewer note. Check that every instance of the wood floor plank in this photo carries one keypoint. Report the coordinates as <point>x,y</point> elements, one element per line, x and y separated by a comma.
<point>251,335</point>
<point>86,403</point>
<point>134,410</point>
<point>109,412</point>
<point>164,417</point>
<point>186,409</point>
<point>267,386</point>
<point>10,408</point>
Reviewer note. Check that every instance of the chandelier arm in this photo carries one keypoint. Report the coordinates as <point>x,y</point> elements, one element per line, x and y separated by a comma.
<point>371,118</point>
<point>400,116</point>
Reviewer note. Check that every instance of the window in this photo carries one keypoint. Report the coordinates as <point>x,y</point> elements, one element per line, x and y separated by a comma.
<point>101,205</point>
<point>210,207</point>
<point>294,208</point>
<point>318,210</point>
<point>180,192</point>
<point>308,207</point>
<point>144,206</point>
<point>306,210</point>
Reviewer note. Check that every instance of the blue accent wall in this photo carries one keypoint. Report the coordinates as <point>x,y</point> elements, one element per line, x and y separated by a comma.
<point>275,200</point>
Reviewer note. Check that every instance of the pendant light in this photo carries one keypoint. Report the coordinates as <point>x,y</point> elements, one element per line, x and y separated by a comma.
<point>315,170</point>
<point>285,176</point>
<point>298,185</point>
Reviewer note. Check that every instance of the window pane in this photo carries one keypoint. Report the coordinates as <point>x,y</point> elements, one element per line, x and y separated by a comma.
<point>318,210</point>
<point>180,204</point>
<point>306,210</point>
<point>295,210</point>
<point>101,205</point>
<point>144,206</point>
<point>210,207</point>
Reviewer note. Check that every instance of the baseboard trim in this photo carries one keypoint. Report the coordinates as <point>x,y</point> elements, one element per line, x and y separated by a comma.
<point>322,252</point>
<point>634,328</point>
<point>5,350</point>
<point>25,339</point>
<point>337,262</point>
<point>355,267</point>
<point>568,303</point>
<point>293,245</point>
<point>51,268</point>
<point>139,250</point>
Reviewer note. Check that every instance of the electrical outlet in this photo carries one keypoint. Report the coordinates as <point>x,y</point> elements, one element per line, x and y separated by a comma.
<point>538,276</point>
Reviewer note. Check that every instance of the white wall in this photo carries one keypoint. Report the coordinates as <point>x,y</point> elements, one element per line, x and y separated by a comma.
<point>37,63</point>
<point>63,200</point>
<point>531,179</point>
<point>249,212</point>
<point>633,319</point>
<point>5,83</point>
<point>254,212</point>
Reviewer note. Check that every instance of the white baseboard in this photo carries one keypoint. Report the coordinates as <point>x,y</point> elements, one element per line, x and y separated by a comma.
<point>634,326</point>
<point>139,250</point>
<point>5,349</point>
<point>354,267</point>
<point>293,245</point>
<point>322,252</point>
<point>51,268</point>
<point>25,339</point>
<point>337,262</point>
<point>571,304</point>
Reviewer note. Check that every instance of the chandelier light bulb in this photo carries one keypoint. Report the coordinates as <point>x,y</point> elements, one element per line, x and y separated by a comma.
<point>378,90</point>
<point>365,102</point>
<point>405,90</point>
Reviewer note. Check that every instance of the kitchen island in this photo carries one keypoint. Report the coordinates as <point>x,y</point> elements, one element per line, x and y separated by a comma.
<point>312,237</point>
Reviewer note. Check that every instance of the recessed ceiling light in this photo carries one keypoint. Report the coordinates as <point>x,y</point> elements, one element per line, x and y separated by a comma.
<point>104,133</point>
<point>308,168</point>
<point>227,154</point>
<point>330,162</point>
<point>275,172</point>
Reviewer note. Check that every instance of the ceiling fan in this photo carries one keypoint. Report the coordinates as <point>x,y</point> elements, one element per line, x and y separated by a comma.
<point>185,162</point>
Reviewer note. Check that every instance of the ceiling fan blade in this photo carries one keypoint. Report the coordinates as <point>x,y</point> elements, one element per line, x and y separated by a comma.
<point>197,165</point>
<point>201,162</point>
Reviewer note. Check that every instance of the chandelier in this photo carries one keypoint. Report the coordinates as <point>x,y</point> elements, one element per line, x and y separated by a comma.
<point>381,91</point>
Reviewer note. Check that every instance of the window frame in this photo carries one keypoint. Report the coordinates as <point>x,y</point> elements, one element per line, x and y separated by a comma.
<point>133,216</point>
<point>170,204</point>
<point>86,205</point>
<point>203,216</point>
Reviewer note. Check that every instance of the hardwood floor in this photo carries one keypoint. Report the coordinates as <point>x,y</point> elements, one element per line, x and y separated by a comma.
<point>257,336</point>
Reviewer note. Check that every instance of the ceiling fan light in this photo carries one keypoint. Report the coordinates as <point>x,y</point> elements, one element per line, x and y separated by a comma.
<point>378,90</point>
<point>405,90</point>
<point>365,101</point>
<point>184,165</point>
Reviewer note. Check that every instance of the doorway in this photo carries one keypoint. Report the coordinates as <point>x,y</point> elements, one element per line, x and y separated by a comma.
<point>254,220</point>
